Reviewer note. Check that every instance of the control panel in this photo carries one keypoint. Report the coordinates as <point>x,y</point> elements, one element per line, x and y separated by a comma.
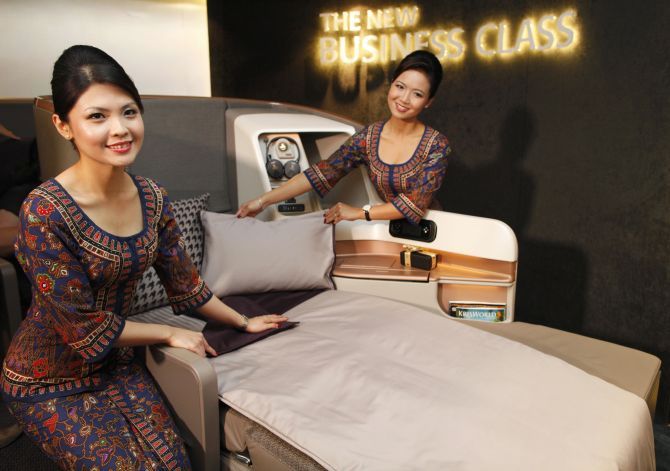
<point>285,158</point>
<point>272,145</point>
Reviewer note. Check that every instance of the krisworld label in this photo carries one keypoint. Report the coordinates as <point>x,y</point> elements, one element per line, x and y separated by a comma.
<point>478,312</point>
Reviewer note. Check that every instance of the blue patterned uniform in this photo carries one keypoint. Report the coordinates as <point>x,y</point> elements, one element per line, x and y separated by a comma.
<point>66,384</point>
<point>409,186</point>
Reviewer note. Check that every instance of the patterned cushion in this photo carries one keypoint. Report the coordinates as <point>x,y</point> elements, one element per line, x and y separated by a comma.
<point>149,293</point>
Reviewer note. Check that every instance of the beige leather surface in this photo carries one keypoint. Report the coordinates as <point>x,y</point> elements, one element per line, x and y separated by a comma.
<point>632,370</point>
<point>188,383</point>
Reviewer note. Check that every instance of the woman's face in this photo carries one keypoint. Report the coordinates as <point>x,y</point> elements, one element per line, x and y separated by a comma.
<point>409,95</point>
<point>106,126</point>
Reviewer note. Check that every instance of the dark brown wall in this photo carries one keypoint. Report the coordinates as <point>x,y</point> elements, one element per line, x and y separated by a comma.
<point>572,152</point>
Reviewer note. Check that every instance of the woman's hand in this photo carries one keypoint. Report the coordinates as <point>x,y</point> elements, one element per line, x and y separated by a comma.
<point>250,208</point>
<point>261,323</point>
<point>342,212</point>
<point>193,341</point>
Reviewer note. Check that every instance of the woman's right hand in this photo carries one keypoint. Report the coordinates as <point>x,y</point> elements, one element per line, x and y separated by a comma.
<point>190,340</point>
<point>250,209</point>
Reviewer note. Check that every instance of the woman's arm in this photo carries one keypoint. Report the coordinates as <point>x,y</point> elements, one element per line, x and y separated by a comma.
<point>217,311</point>
<point>292,188</point>
<point>339,212</point>
<point>344,212</point>
<point>321,176</point>
<point>138,333</point>
<point>89,331</point>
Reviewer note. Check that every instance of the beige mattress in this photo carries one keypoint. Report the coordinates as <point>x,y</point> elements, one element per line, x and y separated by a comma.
<point>629,369</point>
<point>370,383</point>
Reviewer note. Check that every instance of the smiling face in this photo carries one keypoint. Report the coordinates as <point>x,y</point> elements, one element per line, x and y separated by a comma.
<point>409,95</point>
<point>105,125</point>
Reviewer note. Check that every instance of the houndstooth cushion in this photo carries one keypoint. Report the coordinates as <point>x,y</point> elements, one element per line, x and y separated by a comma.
<point>149,293</point>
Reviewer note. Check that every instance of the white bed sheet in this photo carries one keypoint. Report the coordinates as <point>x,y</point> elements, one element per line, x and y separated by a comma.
<point>366,383</point>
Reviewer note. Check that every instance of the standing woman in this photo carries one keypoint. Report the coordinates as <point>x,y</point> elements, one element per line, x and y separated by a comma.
<point>85,239</point>
<point>405,159</point>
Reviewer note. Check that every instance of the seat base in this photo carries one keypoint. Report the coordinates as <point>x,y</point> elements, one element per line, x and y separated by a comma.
<point>630,369</point>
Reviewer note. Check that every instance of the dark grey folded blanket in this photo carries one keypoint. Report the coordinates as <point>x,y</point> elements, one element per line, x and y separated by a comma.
<point>225,339</point>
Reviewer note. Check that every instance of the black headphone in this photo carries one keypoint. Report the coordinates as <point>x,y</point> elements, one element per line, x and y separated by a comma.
<point>275,167</point>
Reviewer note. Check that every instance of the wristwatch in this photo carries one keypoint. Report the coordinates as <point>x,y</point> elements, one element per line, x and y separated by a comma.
<point>366,210</point>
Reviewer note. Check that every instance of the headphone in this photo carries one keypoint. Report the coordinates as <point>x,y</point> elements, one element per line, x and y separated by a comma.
<point>275,167</point>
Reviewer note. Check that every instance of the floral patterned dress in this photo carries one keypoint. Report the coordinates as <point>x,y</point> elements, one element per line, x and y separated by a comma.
<point>88,404</point>
<point>409,186</point>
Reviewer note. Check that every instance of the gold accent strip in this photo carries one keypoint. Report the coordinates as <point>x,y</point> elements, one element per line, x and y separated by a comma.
<point>456,267</point>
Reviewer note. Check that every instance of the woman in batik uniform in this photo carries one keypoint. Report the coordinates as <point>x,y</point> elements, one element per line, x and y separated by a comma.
<point>405,159</point>
<point>85,239</point>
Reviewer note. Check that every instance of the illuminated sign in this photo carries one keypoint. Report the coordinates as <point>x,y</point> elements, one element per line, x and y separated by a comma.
<point>386,35</point>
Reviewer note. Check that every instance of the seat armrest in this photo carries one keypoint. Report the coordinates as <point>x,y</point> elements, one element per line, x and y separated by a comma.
<point>188,383</point>
<point>10,305</point>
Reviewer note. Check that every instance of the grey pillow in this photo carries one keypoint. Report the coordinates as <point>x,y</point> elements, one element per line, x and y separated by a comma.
<point>149,292</point>
<point>251,256</point>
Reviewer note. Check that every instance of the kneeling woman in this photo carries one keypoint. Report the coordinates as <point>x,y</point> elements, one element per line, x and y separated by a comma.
<point>405,159</point>
<point>85,239</point>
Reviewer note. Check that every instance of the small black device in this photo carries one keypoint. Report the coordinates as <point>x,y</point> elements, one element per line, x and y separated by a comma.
<point>418,258</point>
<point>291,208</point>
<point>425,231</point>
<point>275,167</point>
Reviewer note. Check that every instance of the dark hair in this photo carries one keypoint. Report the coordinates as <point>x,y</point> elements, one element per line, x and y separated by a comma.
<point>79,67</point>
<point>425,62</point>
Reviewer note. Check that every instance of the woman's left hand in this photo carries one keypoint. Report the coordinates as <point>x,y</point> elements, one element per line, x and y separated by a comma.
<point>341,212</point>
<point>261,323</point>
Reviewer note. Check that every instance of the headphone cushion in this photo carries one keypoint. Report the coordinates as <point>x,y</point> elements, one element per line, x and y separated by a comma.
<point>291,169</point>
<point>274,168</point>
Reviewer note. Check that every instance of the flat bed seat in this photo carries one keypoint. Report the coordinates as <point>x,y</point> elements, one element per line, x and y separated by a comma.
<point>630,369</point>
<point>627,368</point>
